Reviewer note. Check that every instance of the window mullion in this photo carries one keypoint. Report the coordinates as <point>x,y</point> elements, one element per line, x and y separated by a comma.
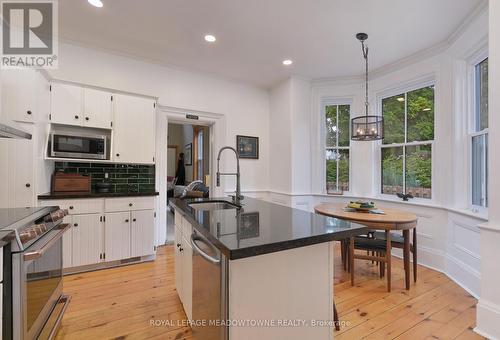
<point>405,142</point>
<point>337,150</point>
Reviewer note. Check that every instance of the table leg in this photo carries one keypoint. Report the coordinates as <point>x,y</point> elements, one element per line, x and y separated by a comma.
<point>388,258</point>
<point>406,257</point>
<point>415,265</point>
<point>351,259</point>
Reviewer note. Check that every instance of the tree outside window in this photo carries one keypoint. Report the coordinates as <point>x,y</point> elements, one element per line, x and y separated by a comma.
<point>337,141</point>
<point>406,151</point>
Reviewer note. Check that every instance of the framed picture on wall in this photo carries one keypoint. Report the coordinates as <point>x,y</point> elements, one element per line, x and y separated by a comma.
<point>248,147</point>
<point>188,154</point>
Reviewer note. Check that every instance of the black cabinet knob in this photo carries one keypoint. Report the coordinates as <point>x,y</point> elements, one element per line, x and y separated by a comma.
<point>130,204</point>
<point>75,224</point>
<point>87,119</point>
<point>178,245</point>
<point>76,117</point>
<point>181,249</point>
<point>117,155</point>
<point>126,220</point>
<point>28,112</point>
<point>70,207</point>
<point>28,185</point>
<point>134,220</point>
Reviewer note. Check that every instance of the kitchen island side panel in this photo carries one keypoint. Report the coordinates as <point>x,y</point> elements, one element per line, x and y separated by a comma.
<point>294,285</point>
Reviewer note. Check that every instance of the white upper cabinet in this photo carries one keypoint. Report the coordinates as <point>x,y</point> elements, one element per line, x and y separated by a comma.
<point>21,95</point>
<point>134,130</point>
<point>66,104</point>
<point>97,108</point>
<point>75,105</point>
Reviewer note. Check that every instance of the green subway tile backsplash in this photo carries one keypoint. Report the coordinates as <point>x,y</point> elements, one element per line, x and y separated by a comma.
<point>124,177</point>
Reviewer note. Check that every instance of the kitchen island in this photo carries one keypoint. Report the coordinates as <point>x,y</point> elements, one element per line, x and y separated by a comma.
<point>258,271</point>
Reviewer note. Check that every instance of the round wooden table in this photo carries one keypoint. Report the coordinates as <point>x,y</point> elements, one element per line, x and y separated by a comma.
<point>393,219</point>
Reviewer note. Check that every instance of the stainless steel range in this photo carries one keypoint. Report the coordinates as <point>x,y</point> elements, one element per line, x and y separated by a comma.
<point>33,300</point>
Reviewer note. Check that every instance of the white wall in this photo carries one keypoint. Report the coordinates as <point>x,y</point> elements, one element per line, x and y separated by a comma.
<point>488,309</point>
<point>245,107</point>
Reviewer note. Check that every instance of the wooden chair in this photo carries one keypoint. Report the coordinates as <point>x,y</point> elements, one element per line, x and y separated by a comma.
<point>376,244</point>
<point>397,241</point>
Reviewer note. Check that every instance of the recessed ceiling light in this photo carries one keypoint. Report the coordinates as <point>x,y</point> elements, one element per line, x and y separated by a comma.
<point>400,99</point>
<point>287,62</point>
<point>96,3</point>
<point>210,38</point>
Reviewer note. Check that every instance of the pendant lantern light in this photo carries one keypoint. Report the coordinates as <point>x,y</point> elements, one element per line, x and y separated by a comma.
<point>367,127</point>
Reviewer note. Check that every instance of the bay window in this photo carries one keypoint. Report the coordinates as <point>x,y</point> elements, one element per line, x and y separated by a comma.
<point>406,151</point>
<point>337,141</point>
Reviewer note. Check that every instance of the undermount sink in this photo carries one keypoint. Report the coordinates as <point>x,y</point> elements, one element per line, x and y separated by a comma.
<point>214,205</point>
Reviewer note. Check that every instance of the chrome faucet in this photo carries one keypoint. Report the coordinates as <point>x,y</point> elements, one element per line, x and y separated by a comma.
<point>238,196</point>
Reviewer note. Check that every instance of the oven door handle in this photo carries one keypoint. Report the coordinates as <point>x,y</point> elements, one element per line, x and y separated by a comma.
<point>35,254</point>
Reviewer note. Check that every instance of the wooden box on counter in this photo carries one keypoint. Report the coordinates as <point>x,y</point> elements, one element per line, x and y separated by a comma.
<point>62,182</point>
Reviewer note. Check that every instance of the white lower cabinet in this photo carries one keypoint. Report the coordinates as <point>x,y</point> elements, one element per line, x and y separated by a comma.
<point>184,265</point>
<point>117,236</point>
<point>86,237</point>
<point>99,233</point>
<point>142,231</point>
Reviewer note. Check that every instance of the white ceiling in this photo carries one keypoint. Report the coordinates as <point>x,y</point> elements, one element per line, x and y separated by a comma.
<point>254,36</point>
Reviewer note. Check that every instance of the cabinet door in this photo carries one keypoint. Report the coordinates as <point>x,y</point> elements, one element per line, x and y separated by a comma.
<point>66,104</point>
<point>178,261</point>
<point>133,130</point>
<point>21,173</point>
<point>187,278</point>
<point>67,243</point>
<point>19,94</point>
<point>97,109</point>
<point>117,236</point>
<point>87,239</point>
<point>142,233</point>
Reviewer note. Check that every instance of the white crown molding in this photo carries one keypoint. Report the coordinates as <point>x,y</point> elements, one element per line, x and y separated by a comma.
<point>411,59</point>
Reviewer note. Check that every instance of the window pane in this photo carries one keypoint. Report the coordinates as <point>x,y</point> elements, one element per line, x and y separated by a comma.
<point>479,170</point>
<point>331,125</point>
<point>482,95</point>
<point>419,171</point>
<point>344,122</point>
<point>393,110</point>
<point>420,111</point>
<point>392,170</point>
<point>331,170</point>
<point>344,170</point>
<point>337,160</point>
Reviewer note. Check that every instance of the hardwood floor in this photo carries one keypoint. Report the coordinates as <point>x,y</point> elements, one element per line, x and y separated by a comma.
<point>121,303</point>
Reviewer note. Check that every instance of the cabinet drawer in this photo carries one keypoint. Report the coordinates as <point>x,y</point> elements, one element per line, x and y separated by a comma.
<point>129,204</point>
<point>178,219</point>
<point>187,229</point>
<point>78,206</point>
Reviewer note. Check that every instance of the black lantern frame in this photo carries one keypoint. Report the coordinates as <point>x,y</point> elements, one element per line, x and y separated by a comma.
<point>367,128</point>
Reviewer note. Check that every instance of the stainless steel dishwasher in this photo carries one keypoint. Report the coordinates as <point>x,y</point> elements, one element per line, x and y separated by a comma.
<point>210,290</point>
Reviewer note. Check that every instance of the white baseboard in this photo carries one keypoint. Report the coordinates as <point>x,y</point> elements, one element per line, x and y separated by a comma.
<point>488,317</point>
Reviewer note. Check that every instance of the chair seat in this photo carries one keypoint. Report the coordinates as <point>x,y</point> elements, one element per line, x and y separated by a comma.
<point>395,238</point>
<point>365,243</point>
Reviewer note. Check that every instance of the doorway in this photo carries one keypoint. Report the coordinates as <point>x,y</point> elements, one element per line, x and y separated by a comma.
<point>188,164</point>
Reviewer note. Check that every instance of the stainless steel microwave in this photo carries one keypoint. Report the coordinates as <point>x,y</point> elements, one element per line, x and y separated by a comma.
<point>80,145</point>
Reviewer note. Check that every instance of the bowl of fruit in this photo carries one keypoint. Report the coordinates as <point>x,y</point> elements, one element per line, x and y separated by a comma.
<point>361,206</point>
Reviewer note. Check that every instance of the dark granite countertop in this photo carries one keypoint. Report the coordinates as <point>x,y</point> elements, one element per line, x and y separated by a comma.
<point>93,194</point>
<point>261,227</point>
